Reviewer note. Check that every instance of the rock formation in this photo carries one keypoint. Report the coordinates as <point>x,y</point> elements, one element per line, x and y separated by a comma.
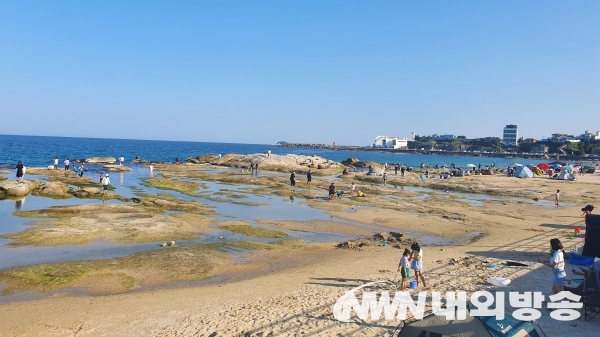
<point>17,189</point>
<point>54,189</point>
<point>116,168</point>
<point>101,160</point>
<point>287,163</point>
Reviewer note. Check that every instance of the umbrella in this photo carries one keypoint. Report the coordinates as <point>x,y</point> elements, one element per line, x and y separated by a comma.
<point>471,165</point>
<point>543,167</point>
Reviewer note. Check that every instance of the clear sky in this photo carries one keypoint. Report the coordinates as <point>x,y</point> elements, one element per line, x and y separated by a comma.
<point>304,71</point>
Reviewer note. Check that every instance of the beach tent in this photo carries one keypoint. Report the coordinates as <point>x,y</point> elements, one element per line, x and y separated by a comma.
<point>537,171</point>
<point>487,172</point>
<point>523,172</point>
<point>559,163</point>
<point>478,326</point>
<point>565,176</point>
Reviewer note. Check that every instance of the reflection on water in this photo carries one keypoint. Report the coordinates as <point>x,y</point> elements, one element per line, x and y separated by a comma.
<point>19,204</point>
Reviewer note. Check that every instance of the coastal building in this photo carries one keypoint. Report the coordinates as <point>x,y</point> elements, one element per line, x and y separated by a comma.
<point>510,135</point>
<point>589,135</point>
<point>445,137</point>
<point>387,142</point>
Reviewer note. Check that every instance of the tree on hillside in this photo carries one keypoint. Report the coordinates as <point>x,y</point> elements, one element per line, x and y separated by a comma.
<point>573,148</point>
<point>456,145</point>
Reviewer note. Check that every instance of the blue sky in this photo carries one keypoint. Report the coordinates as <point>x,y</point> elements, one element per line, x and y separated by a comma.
<point>305,71</point>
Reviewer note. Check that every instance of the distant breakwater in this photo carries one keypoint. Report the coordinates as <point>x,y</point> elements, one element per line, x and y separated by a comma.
<point>439,152</point>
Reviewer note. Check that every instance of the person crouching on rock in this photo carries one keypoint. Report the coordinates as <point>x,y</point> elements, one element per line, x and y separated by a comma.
<point>331,191</point>
<point>293,179</point>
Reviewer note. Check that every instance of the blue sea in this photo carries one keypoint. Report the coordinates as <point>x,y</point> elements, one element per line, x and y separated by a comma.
<point>41,150</point>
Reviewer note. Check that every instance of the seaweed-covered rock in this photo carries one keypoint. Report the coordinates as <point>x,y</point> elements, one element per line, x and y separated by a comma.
<point>117,168</point>
<point>87,192</point>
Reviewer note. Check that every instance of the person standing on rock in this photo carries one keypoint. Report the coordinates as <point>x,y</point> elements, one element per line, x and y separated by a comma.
<point>293,179</point>
<point>105,182</point>
<point>220,156</point>
<point>396,169</point>
<point>81,169</point>
<point>402,169</point>
<point>269,154</point>
<point>309,178</point>
<point>19,169</point>
<point>56,163</point>
<point>121,160</point>
<point>67,163</point>
<point>384,179</point>
<point>256,168</point>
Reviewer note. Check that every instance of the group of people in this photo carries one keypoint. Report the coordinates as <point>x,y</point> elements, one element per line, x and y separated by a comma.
<point>333,192</point>
<point>78,170</point>
<point>412,259</point>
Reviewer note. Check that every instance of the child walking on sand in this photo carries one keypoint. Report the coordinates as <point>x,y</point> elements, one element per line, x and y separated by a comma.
<point>403,268</point>
<point>556,198</point>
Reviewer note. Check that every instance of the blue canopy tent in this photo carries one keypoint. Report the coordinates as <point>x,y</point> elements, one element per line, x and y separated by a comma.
<point>523,172</point>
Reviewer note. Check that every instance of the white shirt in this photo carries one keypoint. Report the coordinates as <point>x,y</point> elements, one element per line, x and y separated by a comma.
<point>558,258</point>
<point>105,181</point>
<point>67,162</point>
<point>55,161</point>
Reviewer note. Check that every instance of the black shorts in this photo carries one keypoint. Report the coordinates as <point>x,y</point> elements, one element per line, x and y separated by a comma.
<point>403,272</point>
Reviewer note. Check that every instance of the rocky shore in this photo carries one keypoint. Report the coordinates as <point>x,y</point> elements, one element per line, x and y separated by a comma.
<point>288,163</point>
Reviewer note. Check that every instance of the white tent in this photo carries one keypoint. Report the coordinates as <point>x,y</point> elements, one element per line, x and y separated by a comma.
<point>565,176</point>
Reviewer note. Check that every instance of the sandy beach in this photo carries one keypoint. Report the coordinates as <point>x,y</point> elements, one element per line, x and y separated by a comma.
<point>290,290</point>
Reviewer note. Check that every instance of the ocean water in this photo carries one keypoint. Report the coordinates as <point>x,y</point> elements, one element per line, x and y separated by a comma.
<point>41,150</point>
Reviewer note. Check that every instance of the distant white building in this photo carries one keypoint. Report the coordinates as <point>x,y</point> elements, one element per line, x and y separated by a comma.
<point>510,135</point>
<point>390,142</point>
<point>589,135</point>
<point>445,137</point>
